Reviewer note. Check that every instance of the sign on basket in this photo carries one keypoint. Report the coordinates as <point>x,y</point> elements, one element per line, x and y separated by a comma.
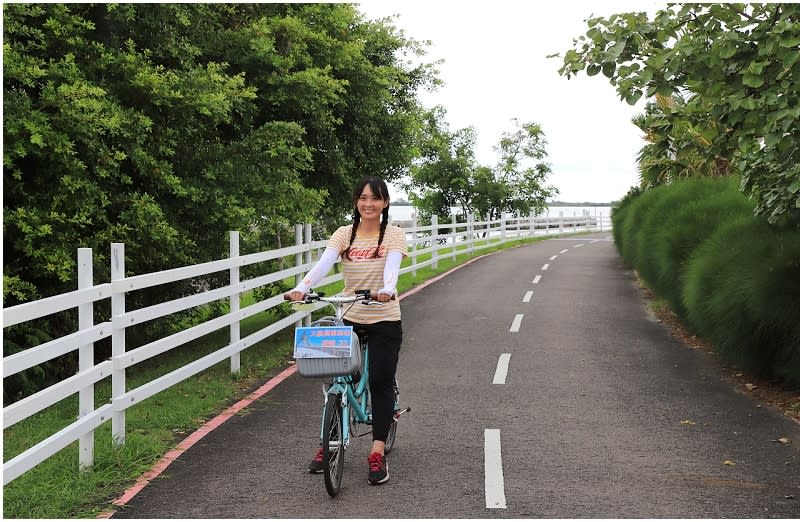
<point>318,342</point>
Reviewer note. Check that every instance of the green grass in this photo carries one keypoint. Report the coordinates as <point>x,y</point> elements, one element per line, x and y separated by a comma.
<point>57,489</point>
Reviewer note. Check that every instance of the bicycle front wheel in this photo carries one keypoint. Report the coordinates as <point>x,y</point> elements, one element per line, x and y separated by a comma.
<point>333,444</point>
<point>393,426</point>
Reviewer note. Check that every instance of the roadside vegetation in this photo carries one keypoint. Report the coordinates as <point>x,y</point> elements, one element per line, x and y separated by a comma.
<point>713,228</point>
<point>728,275</point>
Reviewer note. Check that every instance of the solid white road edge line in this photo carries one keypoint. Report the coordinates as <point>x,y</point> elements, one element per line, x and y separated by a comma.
<point>493,465</point>
<point>502,369</point>
<point>515,324</point>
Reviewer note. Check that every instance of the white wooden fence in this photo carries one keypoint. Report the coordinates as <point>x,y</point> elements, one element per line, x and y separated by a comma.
<point>439,240</point>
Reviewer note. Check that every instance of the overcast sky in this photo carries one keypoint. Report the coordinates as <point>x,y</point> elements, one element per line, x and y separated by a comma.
<point>495,69</point>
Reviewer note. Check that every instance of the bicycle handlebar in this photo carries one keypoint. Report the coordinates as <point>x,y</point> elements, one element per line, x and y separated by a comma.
<point>365,295</point>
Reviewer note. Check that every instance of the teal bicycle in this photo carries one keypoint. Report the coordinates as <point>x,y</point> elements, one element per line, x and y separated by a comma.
<point>346,411</point>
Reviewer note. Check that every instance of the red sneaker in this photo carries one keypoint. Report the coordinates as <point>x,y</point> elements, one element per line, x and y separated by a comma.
<point>316,465</point>
<point>378,469</point>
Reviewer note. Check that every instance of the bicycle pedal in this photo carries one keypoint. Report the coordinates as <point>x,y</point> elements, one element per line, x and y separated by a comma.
<point>400,412</point>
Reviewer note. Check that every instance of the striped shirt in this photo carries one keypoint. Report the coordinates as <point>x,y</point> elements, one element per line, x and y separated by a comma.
<point>363,272</point>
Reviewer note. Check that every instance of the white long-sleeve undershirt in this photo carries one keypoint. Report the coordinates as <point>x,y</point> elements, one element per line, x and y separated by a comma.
<point>322,267</point>
<point>391,272</point>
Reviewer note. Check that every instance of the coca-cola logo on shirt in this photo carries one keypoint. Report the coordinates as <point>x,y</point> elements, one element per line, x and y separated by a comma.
<point>361,254</point>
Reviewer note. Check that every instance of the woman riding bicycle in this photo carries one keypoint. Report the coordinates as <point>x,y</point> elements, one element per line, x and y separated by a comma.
<point>371,253</point>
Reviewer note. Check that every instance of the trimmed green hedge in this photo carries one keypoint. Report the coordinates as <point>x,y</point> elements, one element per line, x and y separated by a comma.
<point>731,277</point>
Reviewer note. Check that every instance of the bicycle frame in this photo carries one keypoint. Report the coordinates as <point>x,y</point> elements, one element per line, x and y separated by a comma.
<point>355,396</point>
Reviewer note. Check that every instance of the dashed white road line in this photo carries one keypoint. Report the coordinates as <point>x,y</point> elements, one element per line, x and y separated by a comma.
<point>545,266</point>
<point>501,371</point>
<point>528,296</point>
<point>578,245</point>
<point>554,257</point>
<point>564,251</point>
<point>536,279</point>
<point>515,324</point>
<point>494,485</point>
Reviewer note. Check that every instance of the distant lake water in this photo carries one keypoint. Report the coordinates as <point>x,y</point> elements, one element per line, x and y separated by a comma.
<point>405,213</point>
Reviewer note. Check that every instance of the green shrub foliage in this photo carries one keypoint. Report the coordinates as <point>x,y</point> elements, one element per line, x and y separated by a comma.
<point>730,275</point>
<point>686,229</point>
<point>741,291</point>
<point>656,221</point>
<point>618,213</point>
<point>633,221</point>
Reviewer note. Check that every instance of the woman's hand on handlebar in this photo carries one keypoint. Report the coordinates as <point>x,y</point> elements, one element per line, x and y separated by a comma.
<point>382,297</point>
<point>294,296</point>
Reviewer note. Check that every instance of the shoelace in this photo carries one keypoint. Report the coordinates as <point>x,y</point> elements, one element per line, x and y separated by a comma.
<point>375,462</point>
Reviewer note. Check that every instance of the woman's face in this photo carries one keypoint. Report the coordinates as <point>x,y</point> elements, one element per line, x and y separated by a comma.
<point>370,205</point>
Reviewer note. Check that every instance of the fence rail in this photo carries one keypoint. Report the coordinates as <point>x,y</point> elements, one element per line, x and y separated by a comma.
<point>441,241</point>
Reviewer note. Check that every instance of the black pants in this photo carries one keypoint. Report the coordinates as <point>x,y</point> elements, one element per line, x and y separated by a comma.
<point>384,339</point>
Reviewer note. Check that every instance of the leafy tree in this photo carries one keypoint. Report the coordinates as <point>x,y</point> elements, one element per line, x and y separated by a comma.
<point>440,179</point>
<point>447,174</point>
<point>737,67</point>
<point>673,151</point>
<point>163,126</point>
<point>523,170</point>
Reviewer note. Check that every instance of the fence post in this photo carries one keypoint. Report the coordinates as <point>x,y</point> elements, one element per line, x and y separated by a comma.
<point>435,242</point>
<point>117,340</point>
<point>456,236</point>
<point>307,319</point>
<point>414,237</point>
<point>235,301</point>
<point>85,357</point>
<point>531,224</point>
<point>298,261</point>
<point>560,221</point>
<point>470,233</point>
<point>547,222</point>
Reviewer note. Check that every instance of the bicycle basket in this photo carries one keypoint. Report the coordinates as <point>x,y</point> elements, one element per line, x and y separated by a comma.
<point>327,351</point>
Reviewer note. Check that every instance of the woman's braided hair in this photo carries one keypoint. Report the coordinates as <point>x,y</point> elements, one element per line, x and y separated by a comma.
<point>378,187</point>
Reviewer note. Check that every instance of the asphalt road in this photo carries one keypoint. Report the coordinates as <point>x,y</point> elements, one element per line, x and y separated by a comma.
<point>600,414</point>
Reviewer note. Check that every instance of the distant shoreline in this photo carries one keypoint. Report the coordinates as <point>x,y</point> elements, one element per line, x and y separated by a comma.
<point>550,204</point>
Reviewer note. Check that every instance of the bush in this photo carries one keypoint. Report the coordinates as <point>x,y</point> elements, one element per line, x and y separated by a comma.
<point>741,293</point>
<point>618,213</point>
<point>730,276</point>
<point>689,227</point>
<point>656,222</point>
<point>634,216</point>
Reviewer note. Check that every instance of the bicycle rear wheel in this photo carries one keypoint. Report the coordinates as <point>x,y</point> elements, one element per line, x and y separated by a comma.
<point>333,444</point>
<point>393,426</point>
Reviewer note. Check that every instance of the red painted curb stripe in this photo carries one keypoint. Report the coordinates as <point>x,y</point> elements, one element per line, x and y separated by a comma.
<point>190,441</point>
<point>217,421</point>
